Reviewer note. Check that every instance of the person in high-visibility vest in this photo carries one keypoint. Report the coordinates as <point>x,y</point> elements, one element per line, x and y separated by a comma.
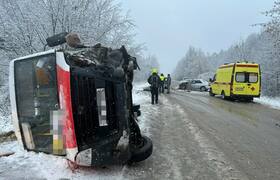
<point>162,78</point>
<point>154,81</point>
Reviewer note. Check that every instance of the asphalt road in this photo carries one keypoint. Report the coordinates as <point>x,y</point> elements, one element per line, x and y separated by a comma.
<point>201,137</point>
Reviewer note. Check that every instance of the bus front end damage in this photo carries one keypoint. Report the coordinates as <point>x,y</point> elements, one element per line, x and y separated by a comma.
<point>78,102</point>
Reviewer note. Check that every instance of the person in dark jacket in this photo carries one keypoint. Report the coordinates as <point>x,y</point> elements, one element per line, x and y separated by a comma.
<point>154,81</point>
<point>168,83</point>
<point>162,78</point>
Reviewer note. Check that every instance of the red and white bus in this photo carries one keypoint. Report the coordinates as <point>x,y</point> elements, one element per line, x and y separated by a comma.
<point>84,112</point>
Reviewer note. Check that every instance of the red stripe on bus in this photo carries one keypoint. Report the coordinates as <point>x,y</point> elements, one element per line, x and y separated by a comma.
<point>63,78</point>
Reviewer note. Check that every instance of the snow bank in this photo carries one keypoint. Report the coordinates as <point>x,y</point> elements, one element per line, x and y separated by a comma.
<point>5,124</point>
<point>143,98</point>
<point>27,165</point>
<point>268,101</point>
<point>5,117</point>
<point>140,86</point>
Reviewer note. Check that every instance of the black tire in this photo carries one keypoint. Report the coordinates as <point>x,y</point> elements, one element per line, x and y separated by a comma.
<point>211,93</point>
<point>203,88</point>
<point>223,95</point>
<point>142,153</point>
<point>249,99</point>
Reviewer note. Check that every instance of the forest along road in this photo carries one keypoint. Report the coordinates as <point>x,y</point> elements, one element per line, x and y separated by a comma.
<point>196,136</point>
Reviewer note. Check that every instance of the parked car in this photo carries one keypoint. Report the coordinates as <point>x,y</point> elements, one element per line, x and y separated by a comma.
<point>195,84</point>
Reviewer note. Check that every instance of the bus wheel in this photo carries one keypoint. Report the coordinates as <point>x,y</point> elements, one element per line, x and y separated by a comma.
<point>143,152</point>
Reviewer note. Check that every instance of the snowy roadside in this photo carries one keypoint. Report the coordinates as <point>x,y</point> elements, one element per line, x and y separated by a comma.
<point>268,101</point>
<point>143,98</point>
<point>26,165</point>
<point>5,124</point>
<point>31,165</point>
<point>5,118</point>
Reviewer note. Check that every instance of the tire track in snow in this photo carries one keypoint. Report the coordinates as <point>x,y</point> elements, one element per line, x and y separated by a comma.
<point>214,157</point>
<point>171,152</point>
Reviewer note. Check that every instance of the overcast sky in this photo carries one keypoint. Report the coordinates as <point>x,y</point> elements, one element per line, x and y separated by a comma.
<point>169,27</point>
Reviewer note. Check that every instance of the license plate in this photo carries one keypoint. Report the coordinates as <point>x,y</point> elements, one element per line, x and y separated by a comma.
<point>239,89</point>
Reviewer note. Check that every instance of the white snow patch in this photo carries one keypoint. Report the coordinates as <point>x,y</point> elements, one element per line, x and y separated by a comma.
<point>144,99</point>
<point>175,164</point>
<point>140,86</point>
<point>40,165</point>
<point>269,101</point>
<point>5,117</point>
<point>5,124</point>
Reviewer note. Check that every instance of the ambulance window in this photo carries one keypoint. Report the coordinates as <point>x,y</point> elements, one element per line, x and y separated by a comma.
<point>240,77</point>
<point>36,96</point>
<point>253,77</point>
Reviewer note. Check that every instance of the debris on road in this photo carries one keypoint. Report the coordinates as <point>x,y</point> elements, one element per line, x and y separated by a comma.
<point>6,154</point>
<point>9,136</point>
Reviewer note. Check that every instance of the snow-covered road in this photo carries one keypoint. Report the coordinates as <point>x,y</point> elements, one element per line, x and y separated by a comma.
<point>243,137</point>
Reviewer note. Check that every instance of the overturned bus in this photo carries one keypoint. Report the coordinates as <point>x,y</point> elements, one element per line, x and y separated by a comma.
<point>77,102</point>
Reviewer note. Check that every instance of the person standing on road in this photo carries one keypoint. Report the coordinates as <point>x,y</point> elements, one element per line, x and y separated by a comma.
<point>154,81</point>
<point>168,82</point>
<point>162,78</point>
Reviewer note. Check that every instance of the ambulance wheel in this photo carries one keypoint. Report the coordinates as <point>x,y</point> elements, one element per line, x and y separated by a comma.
<point>211,93</point>
<point>249,99</point>
<point>223,95</point>
<point>143,152</point>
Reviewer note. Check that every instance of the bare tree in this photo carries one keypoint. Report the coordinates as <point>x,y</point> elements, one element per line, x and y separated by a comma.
<point>26,24</point>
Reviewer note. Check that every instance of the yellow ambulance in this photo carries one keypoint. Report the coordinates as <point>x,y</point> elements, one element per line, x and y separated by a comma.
<point>241,80</point>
